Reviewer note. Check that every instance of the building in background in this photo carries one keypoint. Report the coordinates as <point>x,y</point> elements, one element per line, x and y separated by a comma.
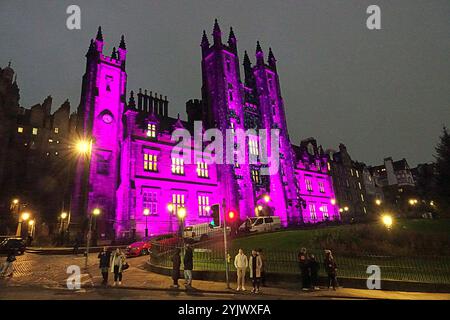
<point>132,171</point>
<point>397,181</point>
<point>348,181</point>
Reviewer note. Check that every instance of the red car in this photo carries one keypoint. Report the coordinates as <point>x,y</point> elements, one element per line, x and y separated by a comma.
<point>138,248</point>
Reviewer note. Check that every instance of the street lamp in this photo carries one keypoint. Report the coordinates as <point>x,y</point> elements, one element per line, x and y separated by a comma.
<point>95,213</point>
<point>346,209</point>
<point>31,224</point>
<point>266,198</point>
<point>23,217</point>
<point>333,201</point>
<point>146,214</point>
<point>387,221</point>
<point>181,213</point>
<point>83,147</point>
<point>412,202</point>
<point>378,202</point>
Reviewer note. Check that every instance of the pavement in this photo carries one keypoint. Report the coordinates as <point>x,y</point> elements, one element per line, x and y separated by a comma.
<point>45,277</point>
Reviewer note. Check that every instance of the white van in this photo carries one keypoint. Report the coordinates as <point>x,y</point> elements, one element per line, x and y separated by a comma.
<point>202,231</point>
<point>261,224</point>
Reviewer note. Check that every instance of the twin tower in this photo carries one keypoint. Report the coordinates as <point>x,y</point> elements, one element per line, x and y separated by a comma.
<point>227,103</point>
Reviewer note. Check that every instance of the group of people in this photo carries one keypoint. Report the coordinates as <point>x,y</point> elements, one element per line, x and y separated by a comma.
<point>309,270</point>
<point>256,265</point>
<point>188,264</point>
<point>112,262</point>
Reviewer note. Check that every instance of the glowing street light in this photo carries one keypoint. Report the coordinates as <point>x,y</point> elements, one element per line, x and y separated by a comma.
<point>412,202</point>
<point>63,215</point>
<point>95,213</point>
<point>181,213</point>
<point>346,209</point>
<point>266,198</point>
<point>333,201</point>
<point>83,147</point>
<point>31,225</point>
<point>146,213</point>
<point>378,202</point>
<point>25,216</point>
<point>432,203</point>
<point>170,207</point>
<point>15,201</point>
<point>341,210</point>
<point>387,221</point>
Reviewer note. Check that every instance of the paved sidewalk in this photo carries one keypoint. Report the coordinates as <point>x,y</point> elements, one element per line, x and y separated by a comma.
<point>50,272</point>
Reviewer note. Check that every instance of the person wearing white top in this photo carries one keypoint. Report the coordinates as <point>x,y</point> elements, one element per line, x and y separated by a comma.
<point>241,264</point>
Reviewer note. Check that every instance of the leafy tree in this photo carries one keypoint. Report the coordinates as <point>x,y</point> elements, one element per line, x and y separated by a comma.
<point>443,171</point>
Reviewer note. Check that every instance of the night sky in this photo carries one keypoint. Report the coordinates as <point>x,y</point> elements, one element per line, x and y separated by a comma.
<point>382,93</point>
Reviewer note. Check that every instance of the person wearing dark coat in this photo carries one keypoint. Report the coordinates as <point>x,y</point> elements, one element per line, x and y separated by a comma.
<point>314,271</point>
<point>188,263</point>
<point>263,268</point>
<point>330,267</point>
<point>176,265</point>
<point>104,264</point>
<point>304,270</point>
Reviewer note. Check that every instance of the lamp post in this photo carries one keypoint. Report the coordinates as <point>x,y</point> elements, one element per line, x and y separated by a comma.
<point>62,217</point>
<point>387,221</point>
<point>95,213</point>
<point>31,224</point>
<point>181,213</point>
<point>23,217</point>
<point>225,243</point>
<point>146,213</point>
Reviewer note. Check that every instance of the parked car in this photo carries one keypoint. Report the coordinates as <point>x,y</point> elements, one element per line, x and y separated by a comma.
<point>9,244</point>
<point>261,224</point>
<point>202,232</point>
<point>138,248</point>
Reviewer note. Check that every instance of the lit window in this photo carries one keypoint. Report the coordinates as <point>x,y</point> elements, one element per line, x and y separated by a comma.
<point>359,185</point>
<point>365,210</point>
<point>351,171</point>
<point>255,176</point>
<point>35,131</point>
<point>178,166</point>
<point>50,140</point>
<point>253,146</point>
<point>324,210</point>
<point>150,162</point>
<point>56,130</point>
<point>312,211</point>
<point>202,169</point>
<point>362,197</point>
<point>321,187</point>
<point>203,205</point>
<point>178,201</point>
<point>329,166</point>
<point>151,130</point>
<point>56,153</point>
<point>308,185</point>
<point>19,129</point>
<point>233,131</point>
<point>150,202</point>
<point>357,173</point>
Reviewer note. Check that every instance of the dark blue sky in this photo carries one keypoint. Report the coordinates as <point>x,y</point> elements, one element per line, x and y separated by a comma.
<point>382,93</point>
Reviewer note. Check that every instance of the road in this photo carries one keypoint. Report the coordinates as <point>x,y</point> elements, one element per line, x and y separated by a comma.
<point>44,277</point>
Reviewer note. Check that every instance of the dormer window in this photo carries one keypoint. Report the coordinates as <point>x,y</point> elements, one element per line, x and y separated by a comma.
<point>151,130</point>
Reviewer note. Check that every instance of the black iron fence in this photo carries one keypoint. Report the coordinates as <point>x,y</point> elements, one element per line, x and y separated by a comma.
<point>210,256</point>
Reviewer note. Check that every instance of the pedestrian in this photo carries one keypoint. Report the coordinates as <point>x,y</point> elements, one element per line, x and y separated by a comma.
<point>188,263</point>
<point>29,240</point>
<point>77,243</point>
<point>255,265</point>
<point>118,263</point>
<point>7,268</point>
<point>263,268</point>
<point>241,264</point>
<point>304,270</point>
<point>176,265</point>
<point>104,260</point>
<point>314,267</point>
<point>331,268</point>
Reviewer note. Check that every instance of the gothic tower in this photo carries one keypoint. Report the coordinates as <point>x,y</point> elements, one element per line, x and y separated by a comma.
<point>283,188</point>
<point>222,92</point>
<point>100,121</point>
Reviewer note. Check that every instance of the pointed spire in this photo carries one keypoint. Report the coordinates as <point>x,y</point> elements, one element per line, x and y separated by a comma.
<point>259,54</point>
<point>131,102</point>
<point>114,53</point>
<point>9,64</point>
<point>217,34</point>
<point>271,59</point>
<point>205,41</point>
<point>246,59</point>
<point>99,34</point>
<point>122,43</point>
<point>232,39</point>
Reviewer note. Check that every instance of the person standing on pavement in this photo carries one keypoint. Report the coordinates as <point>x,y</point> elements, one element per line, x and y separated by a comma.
<point>7,268</point>
<point>104,259</point>
<point>331,268</point>
<point>304,270</point>
<point>188,263</point>
<point>117,263</point>
<point>77,243</point>
<point>263,268</point>
<point>176,265</point>
<point>314,267</point>
<point>241,264</point>
<point>255,265</point>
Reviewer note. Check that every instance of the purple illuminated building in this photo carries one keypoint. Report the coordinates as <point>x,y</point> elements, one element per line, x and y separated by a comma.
<point>131,170</point>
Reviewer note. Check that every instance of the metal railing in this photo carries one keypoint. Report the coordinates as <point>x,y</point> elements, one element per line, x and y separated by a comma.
<point>209,256</point>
